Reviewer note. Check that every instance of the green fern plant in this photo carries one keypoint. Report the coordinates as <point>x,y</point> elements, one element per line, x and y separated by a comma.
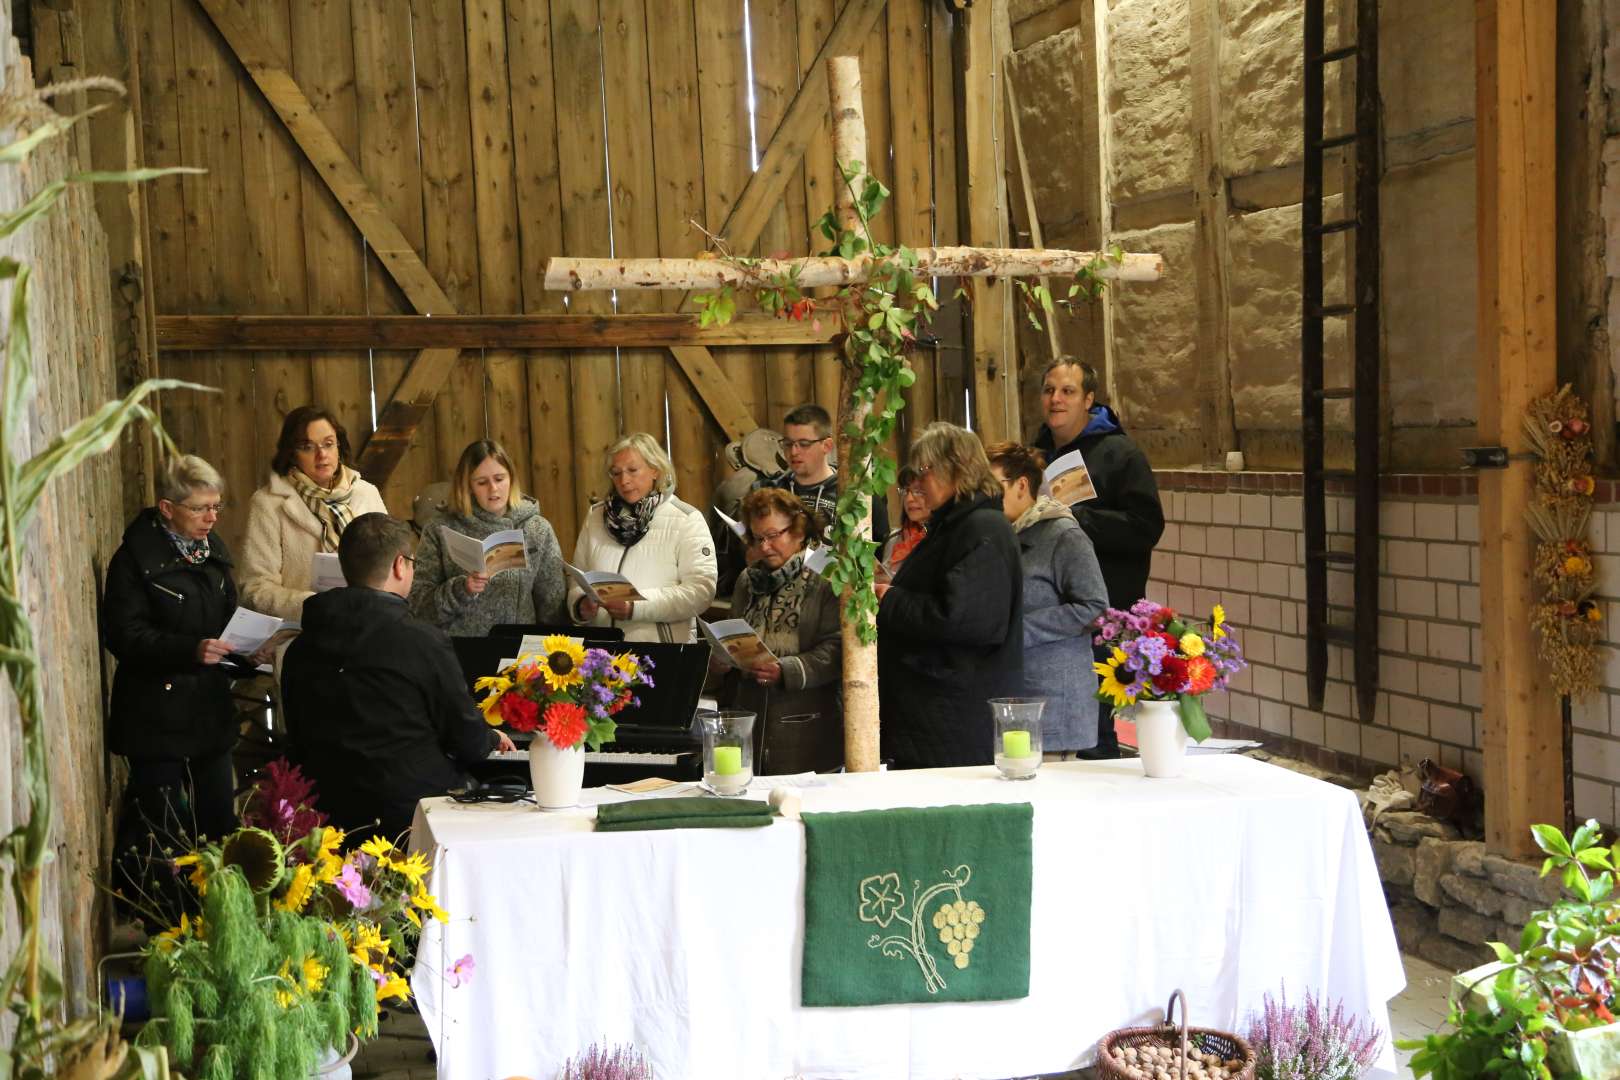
<point>46,1044</point>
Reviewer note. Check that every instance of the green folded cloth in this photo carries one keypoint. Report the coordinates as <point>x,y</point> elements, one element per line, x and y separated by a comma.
<point>683,813</point>
<point>917,905</point>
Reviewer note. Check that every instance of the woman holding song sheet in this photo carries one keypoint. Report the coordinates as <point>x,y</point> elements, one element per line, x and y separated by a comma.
<point>485,504</point>
<point>794,688</point>
<point>649,537</point>
<point>312,496</point>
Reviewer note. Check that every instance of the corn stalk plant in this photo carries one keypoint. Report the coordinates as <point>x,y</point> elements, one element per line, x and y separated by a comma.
<point>46,1043</point>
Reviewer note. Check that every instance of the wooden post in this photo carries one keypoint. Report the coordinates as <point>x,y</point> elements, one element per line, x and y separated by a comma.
<point>861,742</point>
<point>1515,126</point>
<point>986,215</point>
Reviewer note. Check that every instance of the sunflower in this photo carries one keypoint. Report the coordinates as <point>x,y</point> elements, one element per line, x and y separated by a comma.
<point>414,868</point>
<point>199,875</point>
<point>258,855</point>
<point>424,900</point>
<point>171,937</point>
<point>1110,686</point>
<point>1218,620</point>
<point>563,657</point>
<point>298,892</point>
<point>626,666</point>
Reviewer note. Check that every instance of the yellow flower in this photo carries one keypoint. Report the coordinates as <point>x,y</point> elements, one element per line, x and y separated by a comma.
<point>329,855</point>
<point>560,668</point>
<point>428,904</point>
<point>286,997</point>
<point>414,868</point>
<point>1218,618</point>
<point>497,686</point>
<point>199,877</point>
<point>1109,683</point>
<point>171,937</point>
<point>370,948</point>
<point>1191,645</point>
<point>314,975</point>
<point>394,987</point>
<point>380,848</point>
<point>625,666</point>
<point>298,892</point>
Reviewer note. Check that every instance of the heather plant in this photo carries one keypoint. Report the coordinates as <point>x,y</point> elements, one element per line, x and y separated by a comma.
<point>1313,1041</point>
<point>608,1063</point>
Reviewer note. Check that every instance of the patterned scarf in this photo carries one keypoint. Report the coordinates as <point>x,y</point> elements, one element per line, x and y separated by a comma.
<point>1042,508</point>
<point>763,581</point>
<point>629,522</point>
<point>911,534</point>
<point>329,505</point>
<point>192,551</point>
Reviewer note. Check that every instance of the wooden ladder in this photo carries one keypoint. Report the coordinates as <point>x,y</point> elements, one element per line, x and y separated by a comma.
<point>1362,631</point>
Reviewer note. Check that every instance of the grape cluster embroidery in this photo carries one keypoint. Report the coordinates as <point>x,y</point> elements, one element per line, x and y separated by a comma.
<point>957,921</point>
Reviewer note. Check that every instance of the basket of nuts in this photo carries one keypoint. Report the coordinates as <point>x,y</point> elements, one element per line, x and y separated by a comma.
<point>1169,1052</point>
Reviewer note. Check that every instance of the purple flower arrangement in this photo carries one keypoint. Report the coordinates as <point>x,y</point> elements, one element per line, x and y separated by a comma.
<point>1157,654</point>
<point>1315,1041</point>
<point>608,1063</point>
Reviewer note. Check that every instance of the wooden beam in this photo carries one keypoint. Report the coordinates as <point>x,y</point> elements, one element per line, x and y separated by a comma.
<point>985,193</point>
<point>1035,237</point>
<point>1211,198</point>
<point>427,372</point>
<point>319,332</point>
<point>1515,129</point>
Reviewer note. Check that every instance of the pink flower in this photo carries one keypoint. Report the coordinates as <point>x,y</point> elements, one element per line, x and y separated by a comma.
<point>461,971</point>
<point>353,889</point>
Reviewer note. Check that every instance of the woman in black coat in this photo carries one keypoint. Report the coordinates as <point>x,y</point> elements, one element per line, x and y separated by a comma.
<point>169,596</point>
<point>950,627</point>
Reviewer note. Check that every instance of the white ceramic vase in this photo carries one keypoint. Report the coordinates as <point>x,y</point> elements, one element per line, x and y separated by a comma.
<point>1161,738</point>
<point>557,775</point>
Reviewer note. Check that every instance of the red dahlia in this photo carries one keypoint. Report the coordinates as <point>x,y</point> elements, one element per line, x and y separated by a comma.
<point>1172,676</point>
<point>520,713</point>
<point>565,724</point>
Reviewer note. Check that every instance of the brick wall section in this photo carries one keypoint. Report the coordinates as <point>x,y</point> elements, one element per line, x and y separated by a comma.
<point>1237,539</point>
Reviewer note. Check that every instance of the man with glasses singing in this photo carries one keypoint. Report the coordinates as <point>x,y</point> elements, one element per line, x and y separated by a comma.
<point>376,705</point>
<point>807,443</point>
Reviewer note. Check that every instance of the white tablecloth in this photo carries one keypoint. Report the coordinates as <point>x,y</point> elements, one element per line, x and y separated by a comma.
<point>1234,880</point>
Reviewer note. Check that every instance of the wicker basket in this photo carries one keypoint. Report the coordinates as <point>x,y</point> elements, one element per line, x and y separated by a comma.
<point>1168,1034</point>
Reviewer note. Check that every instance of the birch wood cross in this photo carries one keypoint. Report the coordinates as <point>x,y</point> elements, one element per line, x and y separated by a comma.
<point>860,680</point>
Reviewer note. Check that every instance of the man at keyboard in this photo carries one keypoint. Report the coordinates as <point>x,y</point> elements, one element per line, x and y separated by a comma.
<point>376,707</point>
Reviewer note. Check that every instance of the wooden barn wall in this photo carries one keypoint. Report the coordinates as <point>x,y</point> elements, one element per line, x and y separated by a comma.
<point>76,530</point>
<point>498,133</point>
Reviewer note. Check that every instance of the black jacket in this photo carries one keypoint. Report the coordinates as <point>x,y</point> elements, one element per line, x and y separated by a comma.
<point>1125,520</point>
<point>156,608</point>
<point>377,709</point>
<point>950,636</point>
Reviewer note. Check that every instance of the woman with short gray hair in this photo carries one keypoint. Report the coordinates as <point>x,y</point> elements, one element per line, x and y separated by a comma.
<point>657,541</point>
<point>170,592</point>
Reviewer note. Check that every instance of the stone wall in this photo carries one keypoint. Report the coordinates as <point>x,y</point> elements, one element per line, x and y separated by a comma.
<point>1153,58</point>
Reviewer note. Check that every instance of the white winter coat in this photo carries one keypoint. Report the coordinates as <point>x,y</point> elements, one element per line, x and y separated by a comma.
<point>673,566</point>
<point>272,573</point>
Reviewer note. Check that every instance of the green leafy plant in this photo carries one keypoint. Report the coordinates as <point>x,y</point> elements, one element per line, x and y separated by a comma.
<point>1569,952</point>
<point>1085,287</point>
<point>1508,1040</point>
<point>44,1043</point>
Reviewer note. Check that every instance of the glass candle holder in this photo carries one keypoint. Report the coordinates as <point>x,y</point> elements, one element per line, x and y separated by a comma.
<point>728,751</point>
<point>1017,735</point>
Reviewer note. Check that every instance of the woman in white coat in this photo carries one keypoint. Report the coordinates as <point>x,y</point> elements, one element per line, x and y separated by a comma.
<point>657,541</point>
<point>312,496</point>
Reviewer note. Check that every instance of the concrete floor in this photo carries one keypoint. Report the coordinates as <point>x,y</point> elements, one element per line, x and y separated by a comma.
<point>402,1051</point>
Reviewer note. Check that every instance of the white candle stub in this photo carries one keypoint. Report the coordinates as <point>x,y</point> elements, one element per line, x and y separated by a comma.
<point>787,801</point>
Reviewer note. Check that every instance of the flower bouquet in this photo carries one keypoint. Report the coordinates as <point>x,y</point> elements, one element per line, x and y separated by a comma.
<point>568,692</point>
<point>1160,655</point>
<point>284,945</point>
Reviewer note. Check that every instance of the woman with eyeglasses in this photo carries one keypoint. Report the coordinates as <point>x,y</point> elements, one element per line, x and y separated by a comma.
<point>311,497</point>
<point>950,625</point>
<point>169,595</point>
<point>1063,594</point>
<point>914,514</point>
<point>484,498</point>
<point>658,542</point>
<point>795,613</point>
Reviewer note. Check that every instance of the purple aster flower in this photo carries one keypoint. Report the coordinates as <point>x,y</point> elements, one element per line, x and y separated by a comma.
<point>1152,650</point>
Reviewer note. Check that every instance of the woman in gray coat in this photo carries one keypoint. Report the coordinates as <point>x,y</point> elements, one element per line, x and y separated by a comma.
<point>1063,594</point>
<point>484,499</point>
<point>798,726</point>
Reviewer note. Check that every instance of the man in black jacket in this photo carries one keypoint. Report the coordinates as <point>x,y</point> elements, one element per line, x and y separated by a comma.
<point>1125,520</point>
<point>376,705</point>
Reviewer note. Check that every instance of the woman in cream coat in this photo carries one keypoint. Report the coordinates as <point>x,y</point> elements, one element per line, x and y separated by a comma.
<point>312,496</point>
<point>660,543</point>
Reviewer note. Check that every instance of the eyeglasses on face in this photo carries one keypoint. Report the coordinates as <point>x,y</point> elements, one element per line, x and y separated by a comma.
<point>217,508</point>
<point>309,448</point>
<point>911,493</point>
<point>800,444</point>
<point>771,537</point>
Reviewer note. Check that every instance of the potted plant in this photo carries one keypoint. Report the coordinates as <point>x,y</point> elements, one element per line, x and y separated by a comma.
<point>570,695</point>
<point>1161,665</point>
<point>1553,1000</point>
<point>285,945</point>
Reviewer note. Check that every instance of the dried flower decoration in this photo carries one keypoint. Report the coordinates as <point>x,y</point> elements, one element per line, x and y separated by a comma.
<point>1567,619</point>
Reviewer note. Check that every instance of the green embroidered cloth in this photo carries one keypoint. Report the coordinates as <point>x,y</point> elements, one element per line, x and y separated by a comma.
<point>917,905</point>
<point>679,813</point>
